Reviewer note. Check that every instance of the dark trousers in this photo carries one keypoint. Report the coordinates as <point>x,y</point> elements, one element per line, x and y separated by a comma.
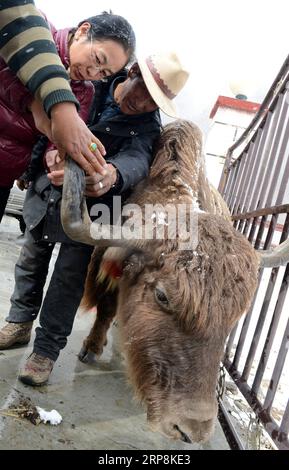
<point>4,195</point>
<point>63,295</point>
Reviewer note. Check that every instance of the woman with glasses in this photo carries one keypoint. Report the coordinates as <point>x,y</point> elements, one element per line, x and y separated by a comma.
<point>100,46</point>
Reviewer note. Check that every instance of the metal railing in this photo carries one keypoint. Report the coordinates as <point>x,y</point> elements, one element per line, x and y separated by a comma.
<point>255,185</point>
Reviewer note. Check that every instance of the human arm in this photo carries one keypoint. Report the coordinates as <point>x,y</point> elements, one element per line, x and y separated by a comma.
<point>85,93</point>
<point>68,132</point>
<point>27,47</point>
<point>66,128</point>
<point>69,122</point>
<point>80,136</point>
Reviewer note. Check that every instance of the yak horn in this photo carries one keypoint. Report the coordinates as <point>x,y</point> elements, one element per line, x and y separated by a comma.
<point>276,257</point>
<point>75,219</point>
<point>74,215</point>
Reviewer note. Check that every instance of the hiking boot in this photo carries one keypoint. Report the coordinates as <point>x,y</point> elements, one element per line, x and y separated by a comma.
<point>14,334</point>
<point>36,370</point>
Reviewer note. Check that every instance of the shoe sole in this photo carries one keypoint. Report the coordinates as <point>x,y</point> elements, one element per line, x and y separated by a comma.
<point>30,381</point>
<point>18,344</point>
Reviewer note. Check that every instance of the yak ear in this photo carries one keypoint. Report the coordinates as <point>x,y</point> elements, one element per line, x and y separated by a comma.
<point>134,264</point>
<point>117,262</point>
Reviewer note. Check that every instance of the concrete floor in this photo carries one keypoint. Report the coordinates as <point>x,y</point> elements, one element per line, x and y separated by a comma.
<point>96,402</point>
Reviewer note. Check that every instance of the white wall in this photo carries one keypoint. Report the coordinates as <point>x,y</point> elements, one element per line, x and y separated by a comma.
<point>227,126</point>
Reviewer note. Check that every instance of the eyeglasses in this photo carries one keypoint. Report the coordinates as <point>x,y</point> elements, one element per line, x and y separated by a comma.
<point>100,69</point>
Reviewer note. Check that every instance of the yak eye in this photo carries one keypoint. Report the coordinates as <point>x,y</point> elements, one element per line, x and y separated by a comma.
<point>161,297</point>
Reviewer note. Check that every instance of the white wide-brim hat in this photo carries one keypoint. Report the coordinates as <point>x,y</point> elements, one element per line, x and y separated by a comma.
<point>164,77</point>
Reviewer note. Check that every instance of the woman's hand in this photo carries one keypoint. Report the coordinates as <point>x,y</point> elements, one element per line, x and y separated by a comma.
<point>71,135</point>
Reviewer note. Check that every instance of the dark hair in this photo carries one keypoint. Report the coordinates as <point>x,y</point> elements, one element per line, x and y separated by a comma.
<point>109,26</point>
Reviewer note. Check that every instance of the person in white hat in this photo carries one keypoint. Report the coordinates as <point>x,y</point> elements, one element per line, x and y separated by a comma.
<point>164,76</point>
<point>126,119</point>
<point>151,84</point>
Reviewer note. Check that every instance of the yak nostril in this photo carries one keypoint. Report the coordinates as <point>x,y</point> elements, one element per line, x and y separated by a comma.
<point>184,436</point>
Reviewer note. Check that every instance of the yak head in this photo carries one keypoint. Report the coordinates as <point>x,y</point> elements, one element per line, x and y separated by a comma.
<point>175,310</point>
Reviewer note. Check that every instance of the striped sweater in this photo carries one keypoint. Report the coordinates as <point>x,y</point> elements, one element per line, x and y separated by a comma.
<point>27,47</point>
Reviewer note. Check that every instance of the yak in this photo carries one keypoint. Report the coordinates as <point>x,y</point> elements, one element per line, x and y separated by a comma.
<point>175,307</point>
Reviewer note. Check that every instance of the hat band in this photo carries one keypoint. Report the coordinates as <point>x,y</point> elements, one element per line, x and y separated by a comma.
<point>159,80</point>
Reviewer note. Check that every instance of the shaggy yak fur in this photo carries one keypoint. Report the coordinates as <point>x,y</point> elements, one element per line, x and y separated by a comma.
<point>175,307</point>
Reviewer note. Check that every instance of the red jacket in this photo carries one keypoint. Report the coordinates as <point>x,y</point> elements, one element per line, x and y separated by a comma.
<point>17,131</point>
